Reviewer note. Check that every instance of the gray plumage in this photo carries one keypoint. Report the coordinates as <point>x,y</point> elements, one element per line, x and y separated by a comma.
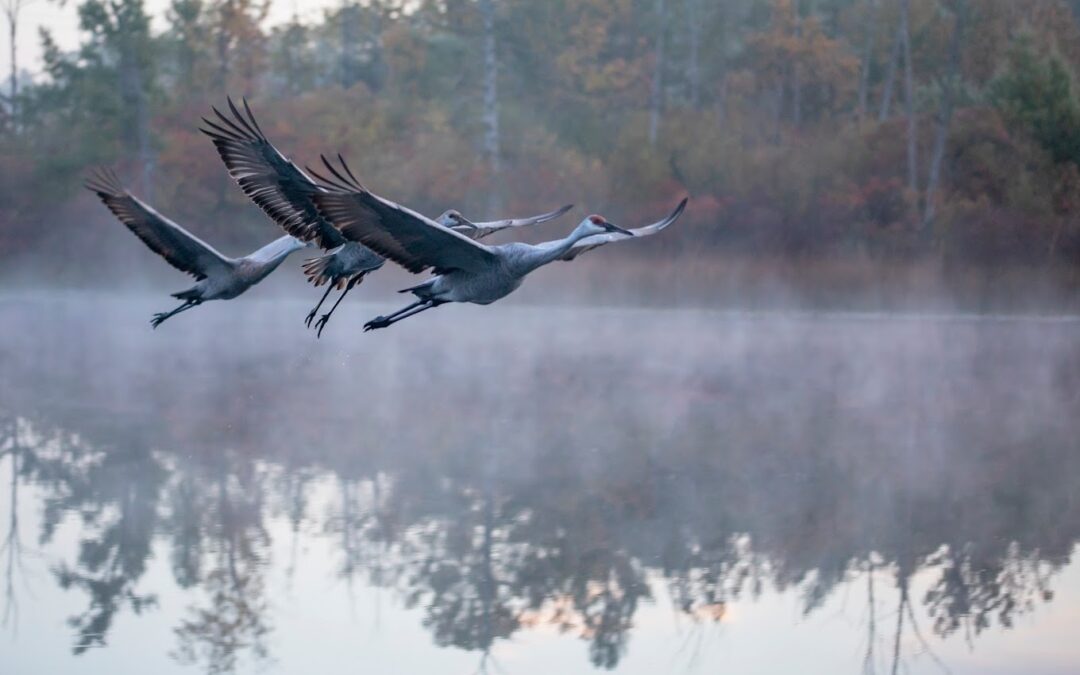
<point>466,270</point>
<point>284,192</point>
<point>217,277</point>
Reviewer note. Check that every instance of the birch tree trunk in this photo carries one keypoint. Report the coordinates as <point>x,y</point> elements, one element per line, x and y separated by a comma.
<point>909,99</point>
<point>693,66</point>
<point>378,57</point>
<point>223,48</point>
<point>656,100</point>
<point>491,99</point>
<point>890,79</point>
<point>348,37</point>
<point>796,75</point>
<point>133,87</point>
<point>944,115</point>
<point>11,12</point>
<point>867,58</point>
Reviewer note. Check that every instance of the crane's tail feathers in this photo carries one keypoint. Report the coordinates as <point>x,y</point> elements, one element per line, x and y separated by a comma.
<point>189,294</point>
<point>419,290</point>
<point>316,272</point>
<point>318,275</point>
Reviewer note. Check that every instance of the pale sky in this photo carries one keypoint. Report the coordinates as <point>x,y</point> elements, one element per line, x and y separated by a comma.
<point>64,24</point>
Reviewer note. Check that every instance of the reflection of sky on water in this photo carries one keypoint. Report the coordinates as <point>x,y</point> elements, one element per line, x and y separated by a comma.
<point>651,491</point>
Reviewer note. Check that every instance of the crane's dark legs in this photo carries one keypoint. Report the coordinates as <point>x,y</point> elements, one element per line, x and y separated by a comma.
<point>312,313</point>
<point>326,317</point>
<point>160,317</point>
<point>405,313</point>
<point>399,312</point>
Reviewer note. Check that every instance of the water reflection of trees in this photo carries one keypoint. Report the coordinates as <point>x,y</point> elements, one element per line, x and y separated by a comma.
<point>572,541</point>
<point>233,617</point>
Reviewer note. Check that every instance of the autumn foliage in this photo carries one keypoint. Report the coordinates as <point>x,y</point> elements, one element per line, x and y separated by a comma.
<point>787,121</point>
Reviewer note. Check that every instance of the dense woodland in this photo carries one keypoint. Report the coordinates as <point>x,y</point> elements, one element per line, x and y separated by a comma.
<point>890,130</point>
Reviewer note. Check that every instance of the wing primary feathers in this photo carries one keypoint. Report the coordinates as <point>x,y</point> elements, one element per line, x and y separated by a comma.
<point>345,165</point>
<point>177,246</point>
<point>240,118</point>
<point>340,177</point>
<point>268,178</point>
<point>241,135</point>
<point>251,116</point>
<point>104,181</point>
<point>326,181</point>
<point>217,131</point>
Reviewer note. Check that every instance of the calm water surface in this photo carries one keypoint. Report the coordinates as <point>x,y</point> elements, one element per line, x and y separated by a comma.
<point>516,490</point>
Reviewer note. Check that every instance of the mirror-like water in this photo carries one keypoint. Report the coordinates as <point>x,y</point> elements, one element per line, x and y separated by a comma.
<point>532,491</point>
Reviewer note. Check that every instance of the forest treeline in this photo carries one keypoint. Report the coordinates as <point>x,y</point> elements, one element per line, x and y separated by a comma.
<point>890,129</point>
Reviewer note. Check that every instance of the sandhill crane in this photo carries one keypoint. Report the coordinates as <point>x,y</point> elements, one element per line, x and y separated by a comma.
<point>217,276</point>
<point>283,191</point>
<point>466,270</point>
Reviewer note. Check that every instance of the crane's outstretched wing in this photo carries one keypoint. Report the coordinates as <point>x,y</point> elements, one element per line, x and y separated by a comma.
<point>481,230</point>
<point>279,187</point>
<point>411,240</point>
<point>180,248</point>
<point>589,243</point>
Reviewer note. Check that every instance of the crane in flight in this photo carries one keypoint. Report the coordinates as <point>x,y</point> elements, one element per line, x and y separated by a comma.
<point>283,191</point>
<point>217,277</point>
<point>465,270</point>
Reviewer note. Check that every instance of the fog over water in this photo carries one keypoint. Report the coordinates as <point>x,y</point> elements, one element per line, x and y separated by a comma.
<point>525,489</point>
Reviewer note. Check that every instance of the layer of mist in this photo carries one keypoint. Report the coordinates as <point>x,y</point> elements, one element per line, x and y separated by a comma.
<point>504,469</point>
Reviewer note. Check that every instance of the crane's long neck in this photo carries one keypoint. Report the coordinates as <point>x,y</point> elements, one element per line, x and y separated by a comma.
<point>273,254</point>
<point>550,251</point>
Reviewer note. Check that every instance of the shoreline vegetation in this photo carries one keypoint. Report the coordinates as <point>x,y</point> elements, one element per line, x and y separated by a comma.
<point>871,151</point>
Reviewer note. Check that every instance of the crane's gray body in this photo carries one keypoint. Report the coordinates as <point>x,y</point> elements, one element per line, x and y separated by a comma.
<point>512,263</point>
<point>352,258</point>
<point>233,276</point>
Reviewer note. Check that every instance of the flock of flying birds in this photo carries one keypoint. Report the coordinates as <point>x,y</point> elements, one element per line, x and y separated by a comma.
<point>356,229</point>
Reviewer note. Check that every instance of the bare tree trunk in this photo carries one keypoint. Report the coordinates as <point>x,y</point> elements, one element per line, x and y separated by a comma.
<point>693,67</point>
<point>147,160</point>
<point>491,100</point>
<point>656,100</point>
<point>778,110</point>
<point>796,75</point>
<point>12,544</point>
<point>944,115</point>
<point>867,57</point>
<point>347,17</point>
<point>899,625</point>
<point>890,79</point>
<point>909,96</point>
<point>223,45</point>
<point>1054,239</point>
<point>379,70</point>
<point>11,11</point>
<point>133,88</point>
<point>871,627</point>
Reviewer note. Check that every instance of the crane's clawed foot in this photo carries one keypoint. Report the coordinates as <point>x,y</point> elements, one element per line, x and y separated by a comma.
<point>159,318</point>
<point>320,324</point>
<point>310,317</point>
<point>376,323</point>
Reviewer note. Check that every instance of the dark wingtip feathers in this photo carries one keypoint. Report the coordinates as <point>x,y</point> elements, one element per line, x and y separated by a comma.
<point>344,180</point>
<point>104,181</point>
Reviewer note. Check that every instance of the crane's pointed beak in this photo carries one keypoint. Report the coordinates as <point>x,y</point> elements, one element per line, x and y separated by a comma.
<point>615,228</point>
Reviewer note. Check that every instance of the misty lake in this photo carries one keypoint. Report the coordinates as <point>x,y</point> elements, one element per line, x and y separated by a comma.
<point>523,490</point>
